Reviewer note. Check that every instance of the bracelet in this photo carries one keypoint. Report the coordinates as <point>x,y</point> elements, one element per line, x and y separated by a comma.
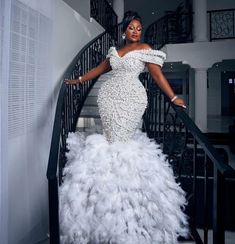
<point>174,98</point>
<point>80,79</point>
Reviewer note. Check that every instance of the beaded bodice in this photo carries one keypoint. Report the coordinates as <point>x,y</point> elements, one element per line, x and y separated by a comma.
<point>122,99</point>
<point>133,62</point>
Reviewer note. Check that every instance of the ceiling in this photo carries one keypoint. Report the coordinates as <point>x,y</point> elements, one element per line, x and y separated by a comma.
<point>151,10</point>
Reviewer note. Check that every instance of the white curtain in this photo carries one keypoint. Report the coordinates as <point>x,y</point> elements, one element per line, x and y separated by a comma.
<point>26,118</point>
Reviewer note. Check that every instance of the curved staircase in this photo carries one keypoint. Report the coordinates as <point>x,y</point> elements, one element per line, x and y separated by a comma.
<point>89,120</point>
<point>171,126</point>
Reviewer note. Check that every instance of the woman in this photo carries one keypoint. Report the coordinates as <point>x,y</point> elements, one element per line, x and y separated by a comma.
<point>118,187</point>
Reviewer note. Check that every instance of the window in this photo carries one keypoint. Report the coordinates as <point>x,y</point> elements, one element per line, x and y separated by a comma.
<point>29,67</point>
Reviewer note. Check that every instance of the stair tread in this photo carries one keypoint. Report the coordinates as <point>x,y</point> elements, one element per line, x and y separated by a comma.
<point>90,116</point>
<point>90,108</point>
<point>91,101</point>
<point>93,92</point>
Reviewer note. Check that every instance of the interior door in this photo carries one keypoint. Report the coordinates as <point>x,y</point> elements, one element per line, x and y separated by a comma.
<point>228,93</point>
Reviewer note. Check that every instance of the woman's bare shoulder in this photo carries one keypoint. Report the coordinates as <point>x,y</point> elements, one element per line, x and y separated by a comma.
<point>145,46</point>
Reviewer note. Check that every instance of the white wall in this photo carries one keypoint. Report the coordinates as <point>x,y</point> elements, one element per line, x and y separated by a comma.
<point>200,54</point>
<point>214,80</point>
<point>191,106</point>
<point>204,55</point>
<point>32,67</point>
<point>80,6</point>
<point>71,32</point>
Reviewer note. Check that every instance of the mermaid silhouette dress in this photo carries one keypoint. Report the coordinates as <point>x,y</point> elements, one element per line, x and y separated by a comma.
<point>119,187</point>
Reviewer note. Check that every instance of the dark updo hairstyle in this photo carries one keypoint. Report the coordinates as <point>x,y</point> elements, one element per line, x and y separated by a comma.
<point>128,17</point>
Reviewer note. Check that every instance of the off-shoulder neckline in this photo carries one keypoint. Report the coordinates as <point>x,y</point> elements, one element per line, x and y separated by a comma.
<point>135,50</point>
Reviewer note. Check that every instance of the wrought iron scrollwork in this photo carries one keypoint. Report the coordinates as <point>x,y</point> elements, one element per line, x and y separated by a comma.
<point>175,134</point>
<point>69,104</point>
<point>173,27</point>
<point>222,24</point>
<point>186,163</point>
<point>104,14</point>
<point>191,156</point>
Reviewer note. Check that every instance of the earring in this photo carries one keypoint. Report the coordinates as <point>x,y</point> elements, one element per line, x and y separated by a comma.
<point>123,36</point>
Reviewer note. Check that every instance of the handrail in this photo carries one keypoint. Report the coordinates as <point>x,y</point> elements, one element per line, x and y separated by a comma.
<point>70,102</point>
<point>193,159</point>
<point>173,27</point>
<point>53,155</point>
<point>52,170</point>
<point>221,10</point>
<point>219,162</point>
<point>75,96</point>
<point>104,14</point>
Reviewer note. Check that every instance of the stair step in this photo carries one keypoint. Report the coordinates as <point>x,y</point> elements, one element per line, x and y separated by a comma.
<point>90,109</point>
<point>105,76</point>
<point>89,116</point>
<point>88,122</point>
<point>89,125</point>
<point>90,131</point>
<point>94,92</point>
<point>91,101</point>
<point>98,84</point>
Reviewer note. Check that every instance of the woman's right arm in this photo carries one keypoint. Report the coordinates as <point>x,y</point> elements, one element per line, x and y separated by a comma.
<point>93,73</point>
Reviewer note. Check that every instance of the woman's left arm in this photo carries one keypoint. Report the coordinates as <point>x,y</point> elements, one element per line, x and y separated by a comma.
<point>161,81</point>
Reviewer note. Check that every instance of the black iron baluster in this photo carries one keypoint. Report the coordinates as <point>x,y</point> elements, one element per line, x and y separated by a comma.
<point>194,209</point>
<point>159,111</point>
<point>69,105</point>
<point>210,26</point>
<point>53,214</point>
<point>104,14</point>
<point>218,207</point>
<point>174,144</point>
<point>169,28</point>
<point>205,204</point>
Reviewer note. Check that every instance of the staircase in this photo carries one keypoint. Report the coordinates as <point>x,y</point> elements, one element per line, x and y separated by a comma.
<point>179,134</point>
<point>89,121</point>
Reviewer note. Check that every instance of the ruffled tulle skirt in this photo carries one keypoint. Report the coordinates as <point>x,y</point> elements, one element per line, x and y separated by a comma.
<point>121,192</point>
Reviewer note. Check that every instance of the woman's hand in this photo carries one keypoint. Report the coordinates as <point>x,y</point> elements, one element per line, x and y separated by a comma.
<point>71,82</point>
<point>93,73</point>
<point>162,82</point>
<point>179,102</point>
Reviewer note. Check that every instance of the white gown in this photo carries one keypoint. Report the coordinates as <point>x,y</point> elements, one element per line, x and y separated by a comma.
<point>118,187</point>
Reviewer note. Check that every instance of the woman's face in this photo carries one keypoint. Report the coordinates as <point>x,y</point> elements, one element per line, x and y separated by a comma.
<point>133,31</point>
